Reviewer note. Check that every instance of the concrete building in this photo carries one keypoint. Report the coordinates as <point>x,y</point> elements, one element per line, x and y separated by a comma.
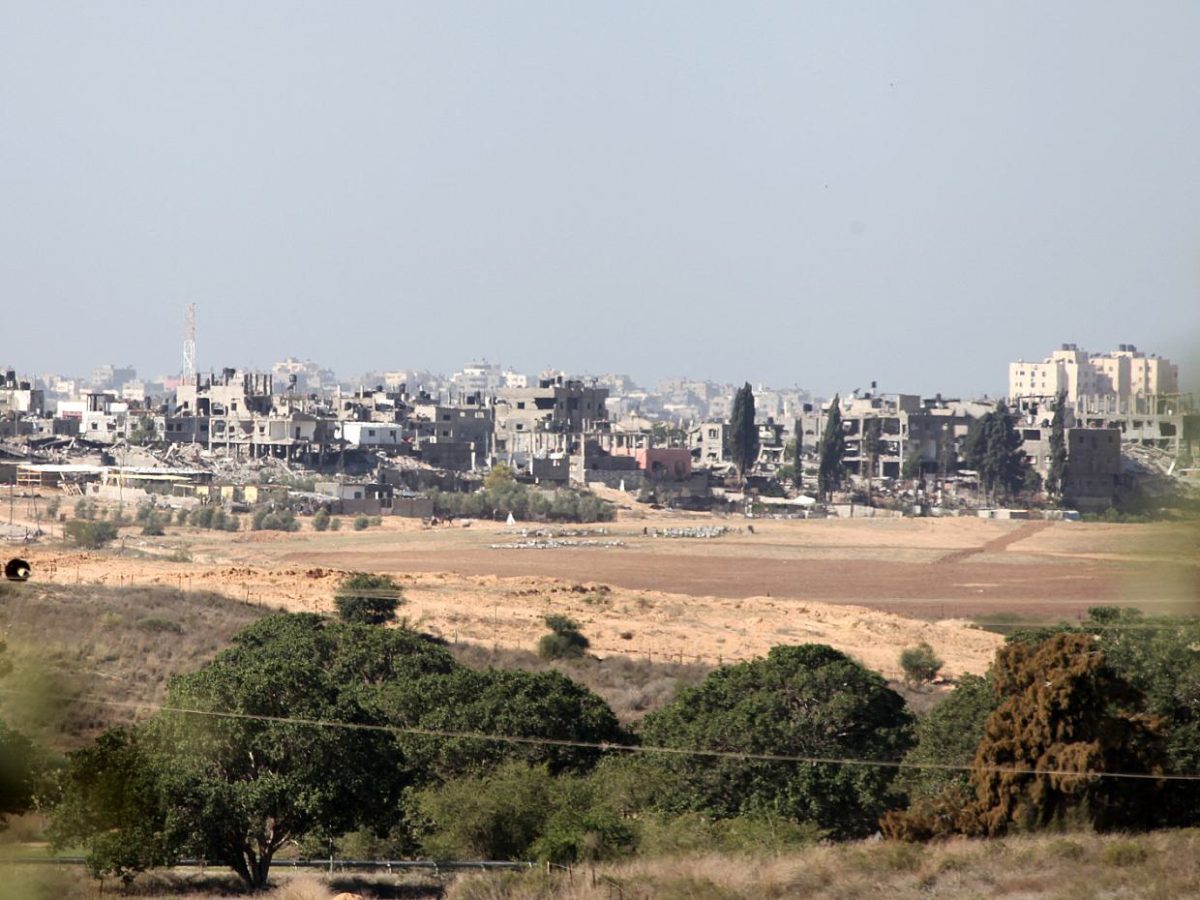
<point>20,397</point>
<point>1125,379</point>
<point>547,418</point>
<point>1093,463</point>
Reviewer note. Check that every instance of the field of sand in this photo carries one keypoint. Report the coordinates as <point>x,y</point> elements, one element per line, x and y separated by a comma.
<point>868,587</point>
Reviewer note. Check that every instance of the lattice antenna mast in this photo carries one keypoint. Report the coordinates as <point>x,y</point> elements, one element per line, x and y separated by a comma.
<point>189,341</point>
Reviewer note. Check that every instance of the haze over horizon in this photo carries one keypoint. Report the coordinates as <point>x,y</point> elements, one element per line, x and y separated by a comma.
<point>816,196</point>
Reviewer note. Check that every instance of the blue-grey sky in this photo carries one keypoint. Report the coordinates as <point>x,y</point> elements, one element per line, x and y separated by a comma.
<point>796,193</point>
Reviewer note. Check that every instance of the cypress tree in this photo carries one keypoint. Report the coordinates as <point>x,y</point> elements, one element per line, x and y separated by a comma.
<point>833,448</point>
<point>998,444</point>
<point>743,432</point>
<point>1056,477</point>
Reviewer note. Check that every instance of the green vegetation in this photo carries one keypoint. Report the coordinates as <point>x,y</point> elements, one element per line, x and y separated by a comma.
<point>465,773</point>
<point>503,494</point>
<point>274,520</point>
<point>920,664</point>
<point>211,516</point>
<point>564,640</point>
<point>361,523</point>
<point>809,701</point>
<point>90,534</point>
<point>743,432</point>
<point>831,451</point>
<point>368,599</point>
<point>1056,476</point>
<point>320,520</point>
<point>994,450</point>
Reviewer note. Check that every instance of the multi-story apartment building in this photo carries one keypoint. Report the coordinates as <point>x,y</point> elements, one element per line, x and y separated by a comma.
<point>1122,380</point>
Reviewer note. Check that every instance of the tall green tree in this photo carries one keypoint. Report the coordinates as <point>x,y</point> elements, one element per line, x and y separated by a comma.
<point>743,431</point>
<point>993,449</point>
<point>831,451</point>
<point>808,700</point>
<point>798,459</point>
<point>1056,476</point>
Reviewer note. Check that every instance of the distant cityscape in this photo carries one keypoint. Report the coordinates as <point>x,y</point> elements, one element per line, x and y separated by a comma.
<point>1123,408</point>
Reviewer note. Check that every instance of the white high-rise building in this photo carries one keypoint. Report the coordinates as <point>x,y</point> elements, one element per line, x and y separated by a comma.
<point>1092,380</point>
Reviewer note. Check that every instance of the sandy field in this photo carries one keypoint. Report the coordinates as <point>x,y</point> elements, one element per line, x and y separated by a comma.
<point>868,587</point>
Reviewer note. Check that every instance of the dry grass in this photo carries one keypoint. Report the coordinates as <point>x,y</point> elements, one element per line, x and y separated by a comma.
<point>121,645</point>
<point>632,687</point>
<point>1160,865</point>
<point>34,883</point>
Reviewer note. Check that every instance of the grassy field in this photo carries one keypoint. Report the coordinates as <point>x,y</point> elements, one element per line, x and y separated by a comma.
<point>1066,867</point>
<point>1073,866</point>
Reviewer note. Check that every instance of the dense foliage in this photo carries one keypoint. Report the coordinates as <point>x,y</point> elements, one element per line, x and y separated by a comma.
<point>831,451</point>
<point>809,701</point>
<point>743,431</point>
<point>502,494</point>
<point>368,599</point>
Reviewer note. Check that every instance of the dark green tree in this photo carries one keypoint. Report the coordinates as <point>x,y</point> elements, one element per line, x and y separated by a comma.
<point>368,599</point>
<point>564,640</point>
<point>831,451</point>
<point>872,447</point>
<point>798,458</point>
<point>994,451</point>
<point>233,768</point>
<point>743,431</point>
<point>948,735</point>
<point>113,805</point>
<point>808,700</point>
<point>1056,477</point>
<point>510,703</point>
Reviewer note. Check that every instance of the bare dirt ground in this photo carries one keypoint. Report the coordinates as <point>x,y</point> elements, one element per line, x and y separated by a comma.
<point>868,587</point>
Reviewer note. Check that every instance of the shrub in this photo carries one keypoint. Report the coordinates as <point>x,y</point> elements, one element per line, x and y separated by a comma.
<point>809,701</point>
<point>320,520</point>
<point>85,509</point>
<point>368,599</point>
<point>275,520</point>
<point>920,664</point>
<point>85,533</point>
<point>361,523</point>
<point>335,524</point>
<point>564,640</point>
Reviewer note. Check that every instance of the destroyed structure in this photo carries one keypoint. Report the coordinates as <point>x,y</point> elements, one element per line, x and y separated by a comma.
<point>213,436</point>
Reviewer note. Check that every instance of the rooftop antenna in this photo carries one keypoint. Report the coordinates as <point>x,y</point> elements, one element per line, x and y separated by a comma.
<point>189,342</point>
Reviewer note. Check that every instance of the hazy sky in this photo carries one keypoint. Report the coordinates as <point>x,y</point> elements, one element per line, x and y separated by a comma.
<point>797,193</point>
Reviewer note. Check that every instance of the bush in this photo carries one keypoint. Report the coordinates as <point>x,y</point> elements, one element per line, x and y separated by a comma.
<point>920,664</point>
<point>335,524</point>
<point>368,599</point>
<point>361,523</point>
<point>275,520</point>
<point>809,701</point>
<point>564,640</point>
<point>320,520</point>
<point>85,533</point>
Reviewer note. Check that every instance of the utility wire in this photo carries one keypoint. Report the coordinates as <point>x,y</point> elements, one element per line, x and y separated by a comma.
<point>610,747</point>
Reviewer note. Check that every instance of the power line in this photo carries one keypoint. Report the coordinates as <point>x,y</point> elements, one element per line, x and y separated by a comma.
<point>609,747</point>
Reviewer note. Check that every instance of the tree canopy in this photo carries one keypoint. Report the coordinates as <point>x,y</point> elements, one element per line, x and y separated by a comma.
<point>1056,476</point>
<point>808,700</point>
<point>254,750</point>
<point>368,599</point>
